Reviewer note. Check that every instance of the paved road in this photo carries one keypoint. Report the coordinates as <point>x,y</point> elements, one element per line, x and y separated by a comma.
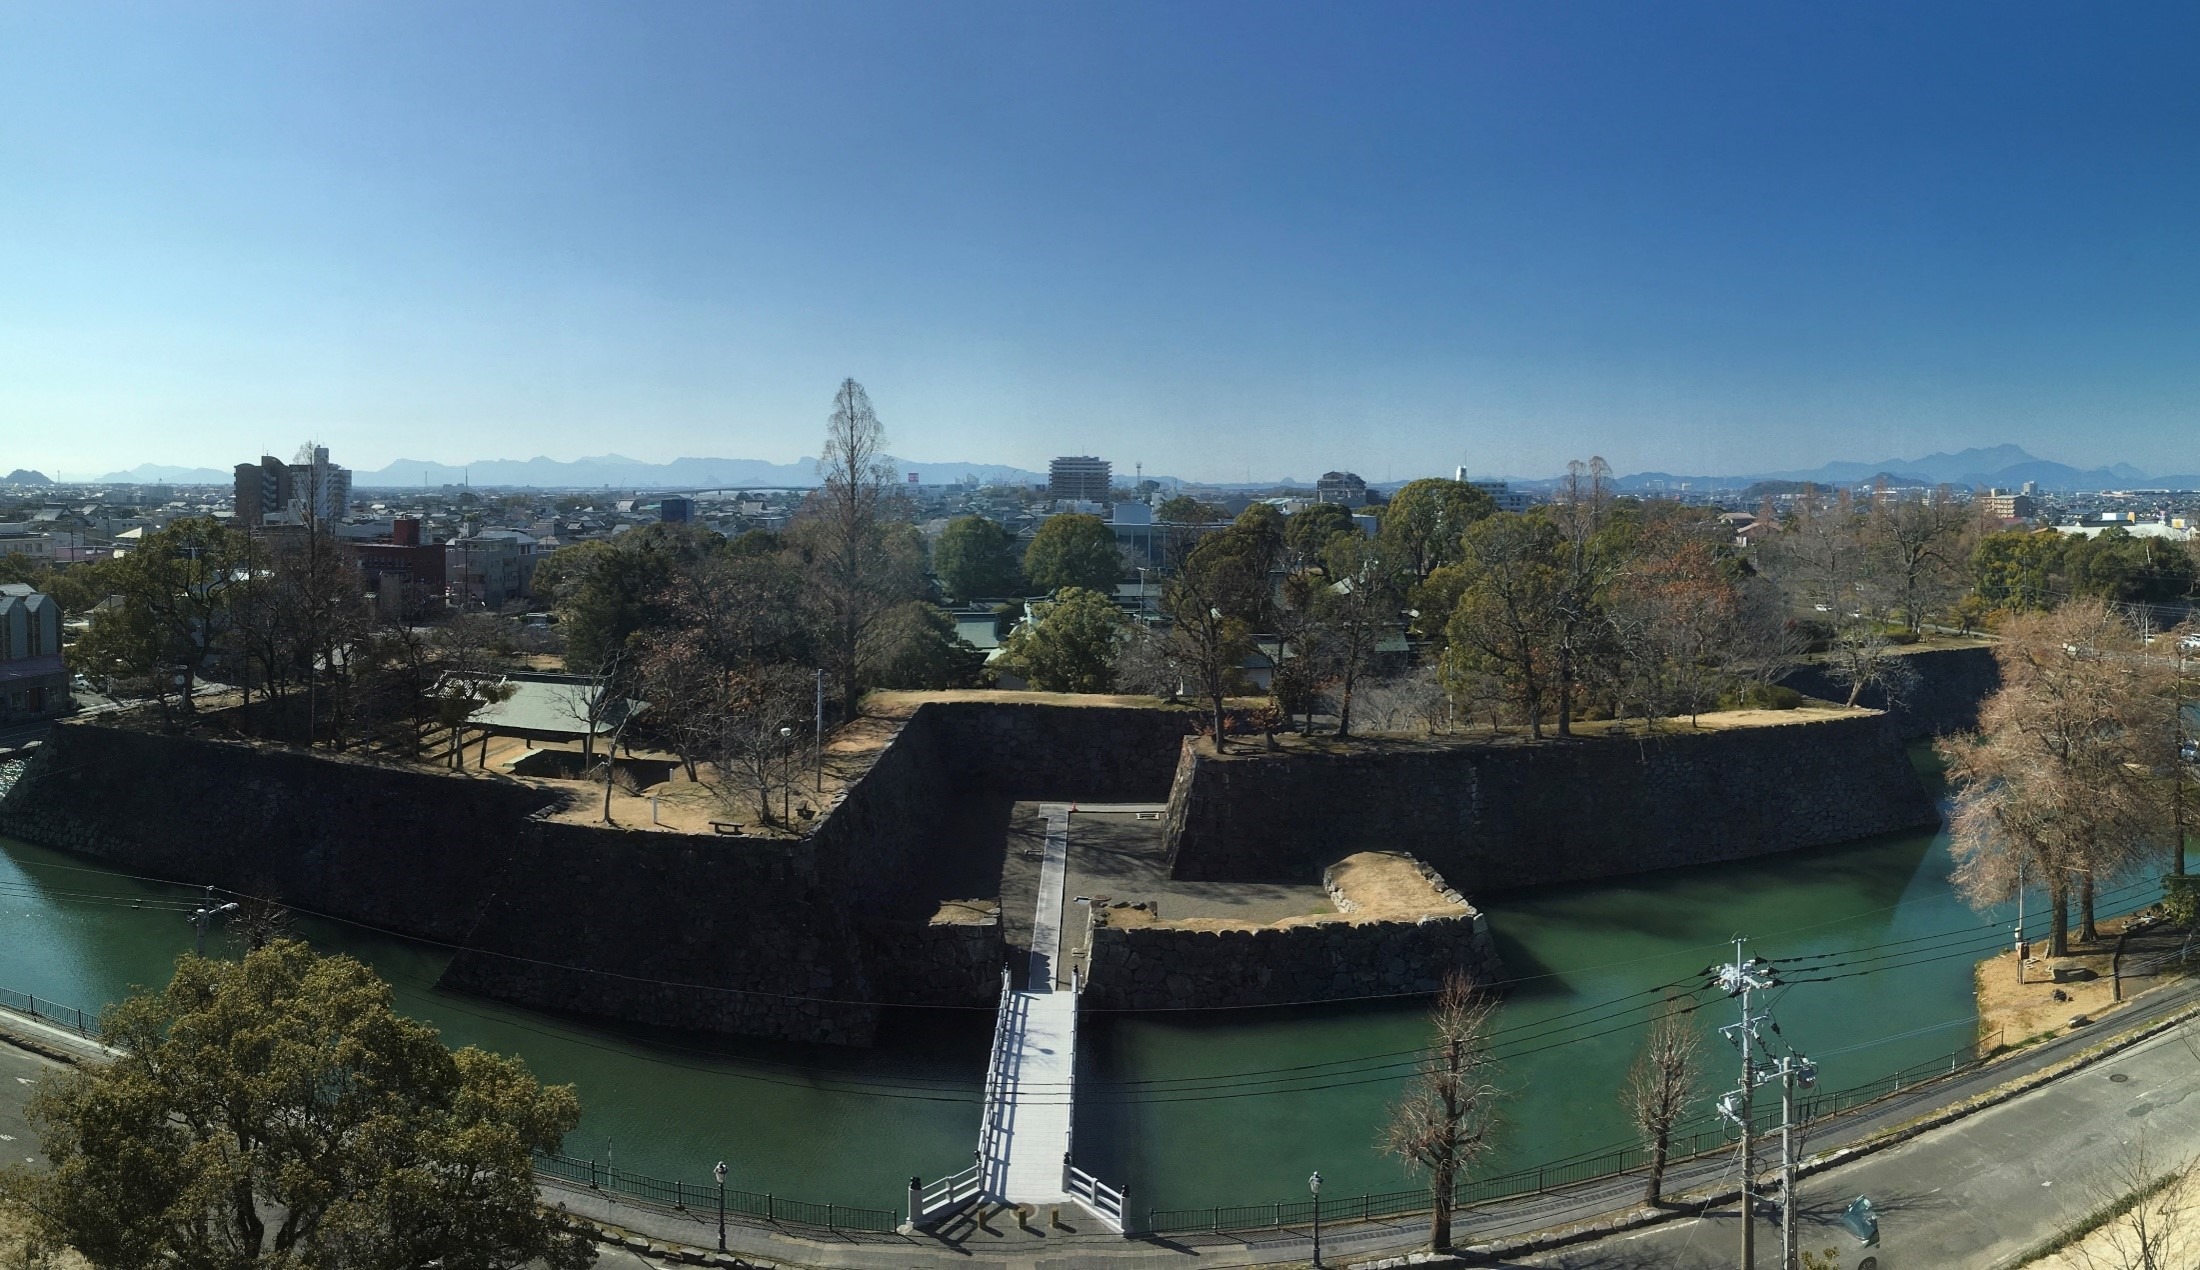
<point>1974,1195</point>
<point>18,1072</point>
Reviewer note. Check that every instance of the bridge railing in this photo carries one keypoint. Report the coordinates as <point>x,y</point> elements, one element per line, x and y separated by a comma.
<point>929,1204</point>
<point>1104,1200</point>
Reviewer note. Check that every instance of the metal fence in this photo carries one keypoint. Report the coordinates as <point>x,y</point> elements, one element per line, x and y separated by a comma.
<point>52,1011</point>
<point>1704,1138</point>
<point>702,1197</point>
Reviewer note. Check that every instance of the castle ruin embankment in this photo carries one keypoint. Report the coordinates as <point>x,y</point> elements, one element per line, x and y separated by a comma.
<point>1493,816</point>
<point>805,937</point>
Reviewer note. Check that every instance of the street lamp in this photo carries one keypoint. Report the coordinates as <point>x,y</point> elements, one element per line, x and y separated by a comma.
<point>720,1174</point>
<point>786,786</point>
<point>1314,1185</point>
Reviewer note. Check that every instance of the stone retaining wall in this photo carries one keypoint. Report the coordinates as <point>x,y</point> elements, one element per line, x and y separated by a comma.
<point>1489,817</point>
<point>405,850</point>
<point>1952,683</point>
<point>1164,967</point>
<point>714,934</point>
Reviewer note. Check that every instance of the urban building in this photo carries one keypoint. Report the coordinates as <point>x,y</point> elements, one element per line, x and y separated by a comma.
<point>1344,488</point>
<point>274,492</point>
<point>2010,505</point>
<point>403,574</point>
<point>492,567</point>
<point>674,510</point>
<point>33,681</point>
<point>1501,493</point>
<point>1081,478</point>
<point>23,538</point>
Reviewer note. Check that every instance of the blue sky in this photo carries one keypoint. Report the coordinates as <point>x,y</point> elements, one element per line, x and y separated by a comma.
<point>1227,240</point>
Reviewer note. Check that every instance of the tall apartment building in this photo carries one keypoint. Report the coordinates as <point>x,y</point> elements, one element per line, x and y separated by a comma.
<point>2010,505</point>
<point>289,493</point>
<point>1079,477</point>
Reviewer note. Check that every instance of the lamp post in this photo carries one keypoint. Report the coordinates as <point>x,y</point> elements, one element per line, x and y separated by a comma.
<point>786,785</point>
<point>720,1173</point>
<point>1314,1185</point>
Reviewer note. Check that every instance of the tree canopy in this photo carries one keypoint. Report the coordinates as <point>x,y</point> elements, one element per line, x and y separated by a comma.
<point>976,558</point>
<point>1422,524</point>
<point>1074,550</point>
<point>278,1113</point>
<point>1070,645</point>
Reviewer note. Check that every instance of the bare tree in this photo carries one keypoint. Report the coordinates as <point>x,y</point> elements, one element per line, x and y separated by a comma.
<point>1863,658</point>
<point>1444,1123</point>
<point>1585,565</point>
<point>851,554</point>
<point>1662,1083</point>
<point>750,749</point>
<point>1918,549</point>
<point>2058,786</point>
<point>1205,643</point>
<point>1354,612</point>
<point>2152,1222</point>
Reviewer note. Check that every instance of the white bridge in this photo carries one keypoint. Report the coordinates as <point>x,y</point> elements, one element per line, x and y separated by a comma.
<point>1024,1140</point>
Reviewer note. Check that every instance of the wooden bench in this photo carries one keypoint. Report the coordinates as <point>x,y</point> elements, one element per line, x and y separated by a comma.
<point>724,826</point>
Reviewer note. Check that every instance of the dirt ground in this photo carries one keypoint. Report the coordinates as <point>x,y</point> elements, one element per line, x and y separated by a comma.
<point>1380,886</point>
<point>2057,990</point>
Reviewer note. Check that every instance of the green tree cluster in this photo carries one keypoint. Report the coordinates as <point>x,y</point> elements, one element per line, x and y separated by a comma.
<point>1070,645</point>
<point>278,1114</point>
<point>1074,550</point>
<point>975,558</point>
<point>2023,570</point>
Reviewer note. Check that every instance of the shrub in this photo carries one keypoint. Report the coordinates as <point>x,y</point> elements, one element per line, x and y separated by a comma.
<point>1772,697</point>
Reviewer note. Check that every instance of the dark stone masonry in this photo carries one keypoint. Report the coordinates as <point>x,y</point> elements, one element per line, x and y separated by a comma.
<point>1490,817</point>
<point>806,939</point>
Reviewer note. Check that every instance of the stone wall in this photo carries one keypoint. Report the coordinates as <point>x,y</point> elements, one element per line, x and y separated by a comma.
<point>1951,685</point>
<point>401,849</point>
<point>1489,817</point>
<point>703,932</point>
<point>1069,752</point>
<point>937,962</point>
<point>1168,967</point>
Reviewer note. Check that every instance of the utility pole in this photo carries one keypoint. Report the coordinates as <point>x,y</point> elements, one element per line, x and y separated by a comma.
<point>206,912</point>
<point>1740,980</point>
<point>1794,1070</point>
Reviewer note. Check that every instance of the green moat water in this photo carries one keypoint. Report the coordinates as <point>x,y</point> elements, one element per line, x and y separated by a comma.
<point>1216,1108</point>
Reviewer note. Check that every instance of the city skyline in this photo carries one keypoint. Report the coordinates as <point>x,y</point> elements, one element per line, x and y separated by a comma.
<point>1232,243</point>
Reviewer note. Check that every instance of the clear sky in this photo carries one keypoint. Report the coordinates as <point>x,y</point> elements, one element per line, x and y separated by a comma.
<point>1227,240</point>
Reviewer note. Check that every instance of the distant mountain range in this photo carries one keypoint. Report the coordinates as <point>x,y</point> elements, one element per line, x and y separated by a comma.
<point>618,471</point>
<point>25,476</point>
<point>2005,466</point>
<point>612,470</point>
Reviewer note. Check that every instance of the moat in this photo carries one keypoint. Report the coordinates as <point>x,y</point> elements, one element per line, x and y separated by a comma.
<point>1190,1109</point>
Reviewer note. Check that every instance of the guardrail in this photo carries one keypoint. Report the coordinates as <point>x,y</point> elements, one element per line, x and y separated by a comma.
<point>701,1196</point>
<point>929,1205</point>
<point>51,1011</point>
<point>1592,1166</point>
<point>1104,1200</point>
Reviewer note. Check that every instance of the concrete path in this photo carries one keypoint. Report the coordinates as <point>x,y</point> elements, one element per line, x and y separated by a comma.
<point>1036,1083</point>
<point>1039,1049</point>
<point>1046,922</point>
